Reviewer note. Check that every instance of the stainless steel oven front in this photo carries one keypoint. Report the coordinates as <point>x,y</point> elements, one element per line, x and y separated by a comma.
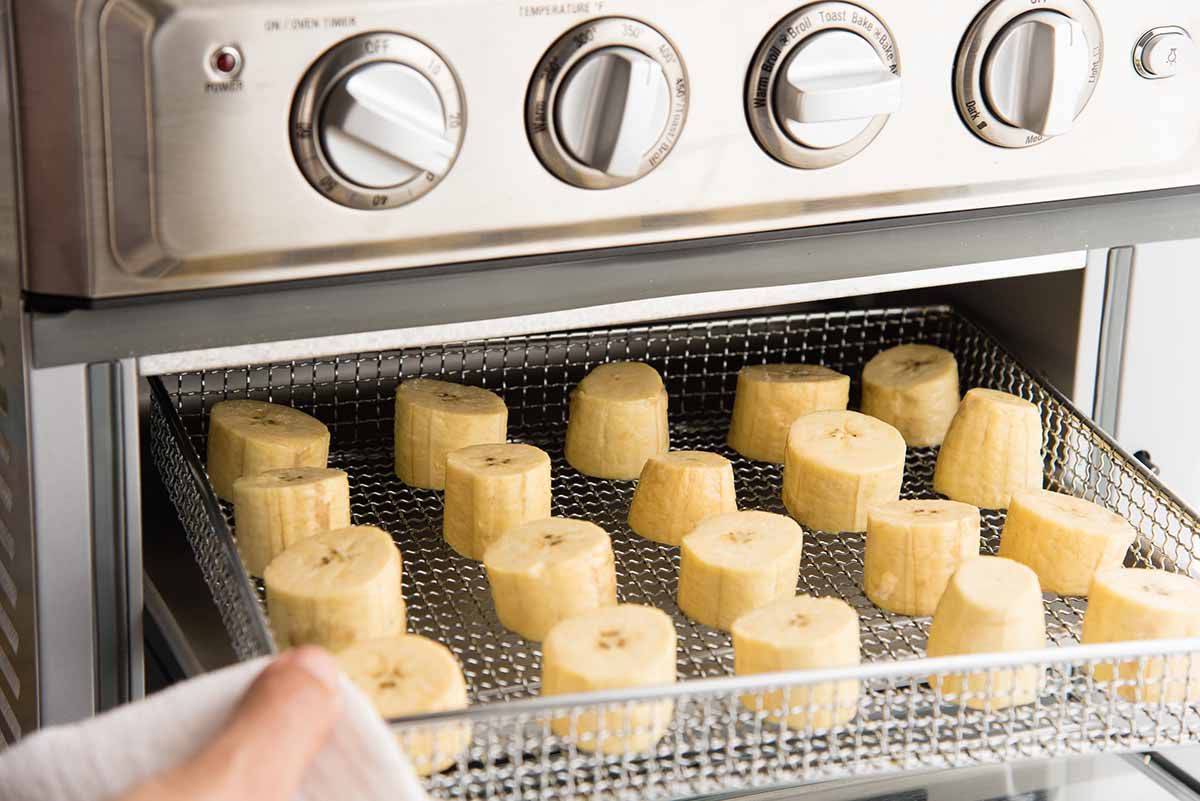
<point>308,201</point>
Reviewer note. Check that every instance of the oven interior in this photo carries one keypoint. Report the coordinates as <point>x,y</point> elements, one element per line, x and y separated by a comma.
<point>902,721</point>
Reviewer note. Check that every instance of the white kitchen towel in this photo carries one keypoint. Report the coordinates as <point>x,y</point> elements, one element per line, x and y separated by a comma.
<point>101,758</point>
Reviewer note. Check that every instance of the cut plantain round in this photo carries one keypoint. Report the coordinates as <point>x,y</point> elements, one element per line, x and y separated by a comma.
<point>412,675</point>
<point>1145,604</point>
<point>334,588</point>
<point>275,509</point>
<point>990,605</point>
<point>1065,540</point>
<point>247,437</point>
<point>679,489</point>
<point>618,420</point>
<point>993,449</point>
<point>545,571</point>
<point>838,465</point>
<point>769,399</point>
<point>800,633</point>
<point>915,389</point>
<point>734,563</point>
<point>491,489</point>
<point>617,647</point>
<point>912,549</point>
<point>434,418</point>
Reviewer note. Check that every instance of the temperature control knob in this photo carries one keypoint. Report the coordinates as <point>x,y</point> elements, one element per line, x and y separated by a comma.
<point>607,103</point>
<point>1024,76</point>
<point>823,84</point>
<point>612,108</point>
<point>377,122</point>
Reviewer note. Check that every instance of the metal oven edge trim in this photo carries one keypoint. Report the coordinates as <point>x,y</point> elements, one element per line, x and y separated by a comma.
<point>525,286</point>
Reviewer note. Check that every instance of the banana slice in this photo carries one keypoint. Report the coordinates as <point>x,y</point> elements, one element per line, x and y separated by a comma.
<point>838,465</point>
<point>769,399</point>
<point>334,588</point>
<point>1065,540</point>
<point>912,550</point>
<point>608,649</point>
<point>274,509</point>
<point>735,563</point>
<point>491,489</point>
<point>679,489</point>
<point>618,420</point>
<point>800,633</point>
<point>915,389</point>
<point>990,605</point>
<point>411,675</point>
<point>993,449</point>
<point>545,571</point>
<point>434,418</point>
<point>248,437</point>
<point>1145,604</point>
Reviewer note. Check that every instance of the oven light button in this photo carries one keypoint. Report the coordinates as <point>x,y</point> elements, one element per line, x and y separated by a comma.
<point>1163,52</point>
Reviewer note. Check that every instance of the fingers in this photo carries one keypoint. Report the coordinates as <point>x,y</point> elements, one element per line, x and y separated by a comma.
<point>279,726</point>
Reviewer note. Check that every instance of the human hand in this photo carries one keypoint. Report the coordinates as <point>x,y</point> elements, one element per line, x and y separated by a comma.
<point>261,755</point>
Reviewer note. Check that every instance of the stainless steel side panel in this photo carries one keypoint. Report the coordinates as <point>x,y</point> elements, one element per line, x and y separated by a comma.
<point>87,538</point>
<point>19,683</point>
<point>62,505</point>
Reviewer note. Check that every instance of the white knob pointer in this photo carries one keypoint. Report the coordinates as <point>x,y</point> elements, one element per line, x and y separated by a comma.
<point>384,124</point>
<point>612,108</point>
<point>832,87</point>
<point>1038,72</point>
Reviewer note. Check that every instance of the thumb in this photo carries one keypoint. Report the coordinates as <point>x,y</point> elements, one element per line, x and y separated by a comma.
<point>280,724</point>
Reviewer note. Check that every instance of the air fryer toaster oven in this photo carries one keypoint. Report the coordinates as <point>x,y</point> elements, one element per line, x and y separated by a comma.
<point>309,201</point>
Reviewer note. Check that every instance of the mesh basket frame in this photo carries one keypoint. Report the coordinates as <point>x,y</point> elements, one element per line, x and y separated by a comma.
<point>713,742</point>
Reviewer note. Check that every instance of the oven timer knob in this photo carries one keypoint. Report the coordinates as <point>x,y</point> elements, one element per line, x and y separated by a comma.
<point>607,103</point>
<point>823,84</point>
<point>377,121</point>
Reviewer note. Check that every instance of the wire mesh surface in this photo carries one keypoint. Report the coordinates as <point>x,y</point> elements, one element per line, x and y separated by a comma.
<point>714,742</point>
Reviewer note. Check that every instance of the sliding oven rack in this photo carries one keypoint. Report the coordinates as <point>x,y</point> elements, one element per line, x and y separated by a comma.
<point>714,742</point>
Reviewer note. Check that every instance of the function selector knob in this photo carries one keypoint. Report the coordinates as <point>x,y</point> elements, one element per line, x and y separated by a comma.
<point>1024,76</point>
<point>607,103</point>
<point>378,121</point>
<point>823,84</point>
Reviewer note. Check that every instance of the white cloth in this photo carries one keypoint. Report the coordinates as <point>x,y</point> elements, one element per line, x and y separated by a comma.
<point>101,758</point>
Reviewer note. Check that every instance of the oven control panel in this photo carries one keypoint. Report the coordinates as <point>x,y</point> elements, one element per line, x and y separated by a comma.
<point>248,142</point>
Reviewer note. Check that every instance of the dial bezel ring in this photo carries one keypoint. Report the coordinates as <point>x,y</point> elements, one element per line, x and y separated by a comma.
<point>568,50</point>
<point>775,50</point>
<point>969,96</point>
<point>325,74</point>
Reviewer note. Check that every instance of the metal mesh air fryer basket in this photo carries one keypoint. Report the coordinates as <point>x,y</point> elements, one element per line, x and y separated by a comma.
<point>714,741</point>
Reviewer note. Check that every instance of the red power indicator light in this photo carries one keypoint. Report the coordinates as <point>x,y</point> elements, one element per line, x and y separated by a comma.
<point>225,62</point>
